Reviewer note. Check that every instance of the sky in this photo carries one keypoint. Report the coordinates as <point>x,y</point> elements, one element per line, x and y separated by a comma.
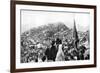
<point>30,19</point>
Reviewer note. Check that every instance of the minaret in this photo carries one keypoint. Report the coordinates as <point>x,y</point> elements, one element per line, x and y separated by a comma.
<point>75,36</point>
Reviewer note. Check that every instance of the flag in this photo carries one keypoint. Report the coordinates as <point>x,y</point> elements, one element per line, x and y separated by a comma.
<point>75,35</point>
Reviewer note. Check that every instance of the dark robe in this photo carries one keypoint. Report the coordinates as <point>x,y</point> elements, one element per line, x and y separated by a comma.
<point>51,53</point>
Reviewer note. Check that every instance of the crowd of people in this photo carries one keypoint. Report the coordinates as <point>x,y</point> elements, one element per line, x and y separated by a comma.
<point>58,50</point>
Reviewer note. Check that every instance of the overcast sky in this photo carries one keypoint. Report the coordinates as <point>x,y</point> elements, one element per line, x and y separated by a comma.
<point>30,19</point>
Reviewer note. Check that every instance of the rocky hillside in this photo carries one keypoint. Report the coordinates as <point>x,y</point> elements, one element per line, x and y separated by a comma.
<point>51,31</point>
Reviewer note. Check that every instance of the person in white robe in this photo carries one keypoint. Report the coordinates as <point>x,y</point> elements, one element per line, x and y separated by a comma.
<point>60,54</point>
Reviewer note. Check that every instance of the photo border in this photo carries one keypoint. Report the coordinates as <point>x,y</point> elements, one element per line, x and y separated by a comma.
<point>13,35</point>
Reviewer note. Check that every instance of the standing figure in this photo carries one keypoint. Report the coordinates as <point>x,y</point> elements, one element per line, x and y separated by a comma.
<point>51,52</point>
<point>60,54</point>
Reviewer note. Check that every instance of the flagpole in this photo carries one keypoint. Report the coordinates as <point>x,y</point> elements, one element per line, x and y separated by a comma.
<point>75,36</point>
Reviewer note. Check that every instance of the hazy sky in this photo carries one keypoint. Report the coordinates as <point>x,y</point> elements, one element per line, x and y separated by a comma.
<point>30,19</point>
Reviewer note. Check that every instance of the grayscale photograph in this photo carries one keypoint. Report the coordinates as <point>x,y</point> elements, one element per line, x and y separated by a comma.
<point>51,36</point>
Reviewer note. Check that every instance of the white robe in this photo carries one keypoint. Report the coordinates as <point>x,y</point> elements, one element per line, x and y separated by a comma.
<point>60,54</point>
